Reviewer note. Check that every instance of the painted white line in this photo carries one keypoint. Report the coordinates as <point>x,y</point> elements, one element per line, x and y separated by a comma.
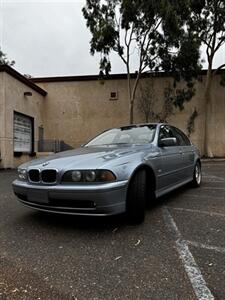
<point>213,181</point>
<point>211,214</point>
<point>202,196</point>
<point>212,188</point>
<point>219,163</point>
<point>208,247</point>
<point>214,177</point>
<point>200,288</point>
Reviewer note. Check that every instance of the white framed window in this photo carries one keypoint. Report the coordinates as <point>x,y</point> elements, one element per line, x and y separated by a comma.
<point>23,133</point>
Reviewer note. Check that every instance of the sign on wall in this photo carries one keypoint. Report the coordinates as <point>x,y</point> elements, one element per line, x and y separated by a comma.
<point>22,133</point>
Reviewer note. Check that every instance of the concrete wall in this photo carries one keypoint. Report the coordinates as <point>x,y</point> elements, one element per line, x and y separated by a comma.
<point>216,121</point>
<point>76,111</point>
<point>16,101</point>
<point>2,116</point>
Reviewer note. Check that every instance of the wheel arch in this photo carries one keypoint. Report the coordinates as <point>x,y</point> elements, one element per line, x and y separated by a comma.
<point>150,177</point>
<point>198,161</point>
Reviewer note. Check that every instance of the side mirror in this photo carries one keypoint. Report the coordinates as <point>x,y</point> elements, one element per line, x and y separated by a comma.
<point>168,142</point>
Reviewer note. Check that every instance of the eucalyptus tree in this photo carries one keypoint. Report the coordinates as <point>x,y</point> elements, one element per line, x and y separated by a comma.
<point>155,33</point>
<point>208,21</point>
<point>4,60</point>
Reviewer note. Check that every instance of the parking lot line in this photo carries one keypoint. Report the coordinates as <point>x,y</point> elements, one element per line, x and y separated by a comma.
<point>208,247</point>
<point>200,288</point>
<point>213,181</point>
<point>213,214</point>
<point>210,188</point>
<point>203,196</point>
<point>221,179</point>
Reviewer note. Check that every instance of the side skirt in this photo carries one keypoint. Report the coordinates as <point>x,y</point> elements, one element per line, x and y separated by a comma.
<point>170,188</point>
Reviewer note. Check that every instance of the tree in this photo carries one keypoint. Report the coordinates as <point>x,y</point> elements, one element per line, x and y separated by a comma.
<point>153,108</point>
<point>146,99</point>
<point>208,20</point>
<point>155,31</point>
<point>191,122</point>
<point>4,60</point>
<point>161,109</point>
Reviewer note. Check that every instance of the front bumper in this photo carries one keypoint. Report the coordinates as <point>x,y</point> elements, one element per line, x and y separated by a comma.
<point>96,200</point>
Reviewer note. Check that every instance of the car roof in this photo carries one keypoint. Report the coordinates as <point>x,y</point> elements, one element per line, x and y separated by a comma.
<point>142,124</point>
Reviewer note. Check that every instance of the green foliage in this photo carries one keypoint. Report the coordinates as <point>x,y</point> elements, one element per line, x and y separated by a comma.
<point>182,96</point>
<point>158,32</point>
<point>147,100</point>
<point>173,98</point>
<point>208,22</point>
<point>157,29</point>
<point>4,60</point>
<point>147,103</point>
<point>168,105</point>
<point>208,18</point>
<point>191,122</point>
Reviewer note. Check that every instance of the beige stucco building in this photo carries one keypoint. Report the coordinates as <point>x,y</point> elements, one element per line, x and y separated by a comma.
<point>74,109</point>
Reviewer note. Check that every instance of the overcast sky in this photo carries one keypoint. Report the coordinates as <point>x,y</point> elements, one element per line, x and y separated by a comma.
<point>50,38</point>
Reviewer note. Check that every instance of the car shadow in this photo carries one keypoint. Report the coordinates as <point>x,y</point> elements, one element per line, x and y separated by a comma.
<point>65,222</point>
<point>169,198</point>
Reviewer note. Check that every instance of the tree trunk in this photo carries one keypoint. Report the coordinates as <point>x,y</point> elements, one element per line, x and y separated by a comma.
<point>131,111</point>
<point>208,112</point>
<point>133,95</point>
<point>129,92</point>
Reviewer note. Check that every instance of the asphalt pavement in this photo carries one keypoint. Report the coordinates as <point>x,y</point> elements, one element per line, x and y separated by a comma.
<point>178,253</point>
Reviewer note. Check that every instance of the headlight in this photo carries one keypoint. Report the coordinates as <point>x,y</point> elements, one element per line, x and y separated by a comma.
<point>88,176</point>
<point>22,174</point>
<point>76,176</point>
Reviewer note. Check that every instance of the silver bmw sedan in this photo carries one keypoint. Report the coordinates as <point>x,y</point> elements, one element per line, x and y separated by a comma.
<point>121,170</point>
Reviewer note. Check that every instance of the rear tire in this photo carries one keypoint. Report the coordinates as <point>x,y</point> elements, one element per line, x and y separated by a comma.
<point>136,198</point>
<point>197,175</point>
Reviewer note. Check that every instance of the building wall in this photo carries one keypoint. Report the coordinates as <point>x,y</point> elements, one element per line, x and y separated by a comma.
<point>2,116</point>
<point>16,101</point>
<point>78,110</point>
<point>75,111</point>
<point>216,121</point>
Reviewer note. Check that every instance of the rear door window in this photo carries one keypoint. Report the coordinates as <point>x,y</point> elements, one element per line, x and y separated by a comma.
<point>181,137</point>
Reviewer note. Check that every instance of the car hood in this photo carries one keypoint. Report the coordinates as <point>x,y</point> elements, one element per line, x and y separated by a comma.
<point>86,157</point>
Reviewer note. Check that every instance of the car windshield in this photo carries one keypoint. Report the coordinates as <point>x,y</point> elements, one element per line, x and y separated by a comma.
<point>142,134</point>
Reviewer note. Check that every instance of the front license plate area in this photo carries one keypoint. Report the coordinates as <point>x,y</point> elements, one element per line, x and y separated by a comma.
<point>38,196</point>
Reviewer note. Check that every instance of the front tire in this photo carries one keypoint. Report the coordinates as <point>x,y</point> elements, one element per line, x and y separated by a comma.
<point>197,175</point>
<point>136,198</point>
